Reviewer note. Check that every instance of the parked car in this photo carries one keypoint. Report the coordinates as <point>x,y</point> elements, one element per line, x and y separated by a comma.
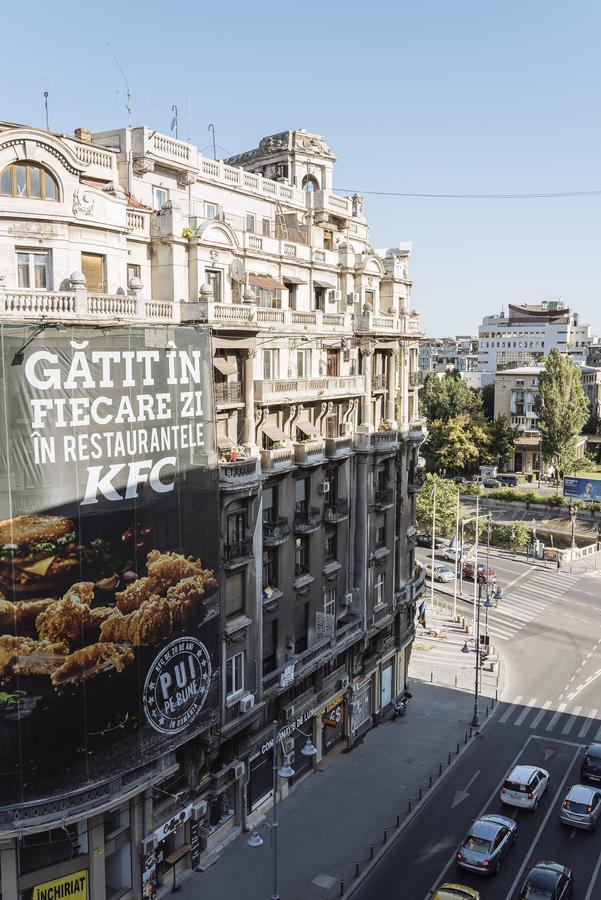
<point>548,879</point>
<point>425,540</point>
<point>582,807</point>
<point>590,767</point>
<point>452,554</point>
<point>508,480</point>
<point>455,892</point>
<point>461,480</point>
<point>487,844</point>
<point>488,482</point>
<point>441,572</point>
<point>524,786</point>
<point>486,575</point>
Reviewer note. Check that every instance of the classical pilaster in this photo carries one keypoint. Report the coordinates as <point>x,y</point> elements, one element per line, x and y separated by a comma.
<point>367,352</point>
<point>249,397</point>
<point>391,386</point>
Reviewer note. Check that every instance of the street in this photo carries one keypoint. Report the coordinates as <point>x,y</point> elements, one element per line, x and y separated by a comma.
<point>550,643</point>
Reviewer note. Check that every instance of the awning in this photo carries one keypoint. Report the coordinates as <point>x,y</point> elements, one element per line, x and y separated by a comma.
<point>223,442</point>
<point>325,284</point>
<point>273,432</point>
<point>225,366</point>
<point>293,279</point>
<point>265,282</point>
<point>307,427</point>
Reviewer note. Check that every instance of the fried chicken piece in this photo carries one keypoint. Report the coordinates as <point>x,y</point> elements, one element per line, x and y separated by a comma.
<point>169,568</point>
<point>91,661</point>
<point>8,612</point>
<point>13,650</point>
<point>41,658</point>
<point>82,591</point>
<point>65,620</point>
<point>135,594</point>
<point>144,627</point>
<point>22,614</point>
<point>186,594</point>
<point>101,613</point>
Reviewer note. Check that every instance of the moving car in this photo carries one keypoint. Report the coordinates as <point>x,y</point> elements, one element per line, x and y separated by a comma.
<point>590,767</point>
<point>582,807</point>
<point>486,575</point>
<point>486,845</point>
<point>455,892</point>
<point>425,540</point>
<point>548,880</point>
<point>508,480</point>
<point>441,572</point>
<point>524,786</point>
<point>452,553</point>
<point>488,482</point>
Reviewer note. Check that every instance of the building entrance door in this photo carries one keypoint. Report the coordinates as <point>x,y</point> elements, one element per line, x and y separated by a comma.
<point>386,691</point>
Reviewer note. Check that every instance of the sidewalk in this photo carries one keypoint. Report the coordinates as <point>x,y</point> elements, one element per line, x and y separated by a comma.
<point>330,820</point>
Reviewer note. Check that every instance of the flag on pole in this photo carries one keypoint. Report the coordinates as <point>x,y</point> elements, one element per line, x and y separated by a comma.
<point>421,617</point>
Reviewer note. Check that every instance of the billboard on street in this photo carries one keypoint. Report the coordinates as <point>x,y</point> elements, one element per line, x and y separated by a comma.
<point>109,614</point>
<point>582,488</point>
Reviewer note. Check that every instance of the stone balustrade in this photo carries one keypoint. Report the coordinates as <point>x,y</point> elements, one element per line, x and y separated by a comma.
<point>275,390</point>
<point>339,447</point>
<point>80,306</point>
<point>277,460</point>
<point>310,453</point>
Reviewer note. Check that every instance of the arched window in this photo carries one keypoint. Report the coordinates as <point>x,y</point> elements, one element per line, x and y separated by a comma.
<point>28,179</point>
<point>310,183</point>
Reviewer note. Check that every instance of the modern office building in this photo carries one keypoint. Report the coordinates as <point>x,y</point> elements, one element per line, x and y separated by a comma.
<point>311,440</point>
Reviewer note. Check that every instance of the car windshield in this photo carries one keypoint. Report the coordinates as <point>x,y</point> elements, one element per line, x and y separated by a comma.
<point>533,892</point>
<point>478,844</point>
<point>575,807</point>
<point>516,786</point>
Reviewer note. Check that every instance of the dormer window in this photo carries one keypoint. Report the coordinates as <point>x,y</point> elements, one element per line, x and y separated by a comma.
<point>27,179</point>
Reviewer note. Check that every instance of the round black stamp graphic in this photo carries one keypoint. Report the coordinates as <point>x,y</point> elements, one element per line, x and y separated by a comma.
<point>177,685</point>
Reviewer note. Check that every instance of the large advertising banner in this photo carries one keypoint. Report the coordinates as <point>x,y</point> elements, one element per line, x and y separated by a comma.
<point>109,614</point>
<point>582,488</point>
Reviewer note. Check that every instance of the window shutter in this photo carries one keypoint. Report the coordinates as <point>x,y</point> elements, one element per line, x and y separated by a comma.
<point>234,594</point>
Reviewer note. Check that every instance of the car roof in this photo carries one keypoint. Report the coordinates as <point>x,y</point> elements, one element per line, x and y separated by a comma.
<point>593,750</point>
<point>581,793</point>
<point>544,877</point>
<point>522,774</point>
<point>487,827</point>
<point>455,890</point>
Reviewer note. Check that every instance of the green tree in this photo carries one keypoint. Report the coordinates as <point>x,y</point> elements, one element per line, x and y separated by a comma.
<point>502,439</point>
<point>444,398</point>
<point>487,395</point>
<point>457,442</point>
<point>562,410</point>
<point>446,505</point>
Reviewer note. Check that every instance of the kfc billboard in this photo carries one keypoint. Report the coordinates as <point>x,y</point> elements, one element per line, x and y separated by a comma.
<point>109,615</point>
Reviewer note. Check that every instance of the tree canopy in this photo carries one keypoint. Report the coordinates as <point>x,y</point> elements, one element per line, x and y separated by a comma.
<point>562,410</point>
<point>501,437</point>
<point>446,505</point>
<point>444,398</point>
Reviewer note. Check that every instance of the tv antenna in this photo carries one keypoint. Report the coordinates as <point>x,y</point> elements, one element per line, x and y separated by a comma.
<point>129,93</point>
<point>46,109</point>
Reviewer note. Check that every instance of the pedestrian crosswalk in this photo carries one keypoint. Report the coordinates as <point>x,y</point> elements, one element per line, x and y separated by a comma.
<point>549,717</point>
<point>525,602</point>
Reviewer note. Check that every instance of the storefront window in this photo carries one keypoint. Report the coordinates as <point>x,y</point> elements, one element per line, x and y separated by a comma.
<point>117,871</point>
<point>221,808</point>
<point>37,851</point>
<point>116,822</point>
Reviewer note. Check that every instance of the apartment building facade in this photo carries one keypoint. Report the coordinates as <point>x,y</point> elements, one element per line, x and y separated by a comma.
<point>315,459</point>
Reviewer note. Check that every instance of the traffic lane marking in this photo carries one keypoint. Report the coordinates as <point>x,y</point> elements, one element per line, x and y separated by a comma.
<point>584,685</point>
<point>589,893</point>
<point>494,794</point>
<point>588,722</point>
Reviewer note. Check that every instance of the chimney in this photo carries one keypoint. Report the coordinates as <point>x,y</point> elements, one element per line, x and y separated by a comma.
<point>83,134</point>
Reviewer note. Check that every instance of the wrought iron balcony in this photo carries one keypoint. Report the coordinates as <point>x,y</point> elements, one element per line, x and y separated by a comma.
<point>234,475</point>
<point>336,511</point>
<point>384,498</point>
<point>378,383</point>
<point>276,532</point>
<point>237,552</point>
<point>307,520</point>
<point>228,392</point>
<point>415,484</point>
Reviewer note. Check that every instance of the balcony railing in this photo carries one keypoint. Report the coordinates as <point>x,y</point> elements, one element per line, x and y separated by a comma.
<point>336,511</point>
<point>378,441</point>
<point>378,383</point>
<point>415,484</point>
<point>415,379</point>
<point>277,460</point>
<point>228,392</point>
<point>276,532</point>
<point>310,453</point>
<point>275,390</point>
<point>238,550</point>
<point>384,498</point>
<point>307,520</point>
<point>339,447</point>
<point>80,306</point>
<point>237,474</point>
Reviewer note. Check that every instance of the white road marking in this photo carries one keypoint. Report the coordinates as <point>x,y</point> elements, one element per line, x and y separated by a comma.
<point>589,893</point>
<point>598,736</point>
<point>532,702</point>
<point>589,721</point>
<point>542,712</point>
<point>508,712</point>
<point>571,720</point>
<point>581,687</point>
<point>556,716</point>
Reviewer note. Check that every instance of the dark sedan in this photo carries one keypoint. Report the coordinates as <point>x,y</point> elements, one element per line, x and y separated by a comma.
<point>590,768</point>
<point>425,540</point>
<point>487,843</point>
<point>548,881</point>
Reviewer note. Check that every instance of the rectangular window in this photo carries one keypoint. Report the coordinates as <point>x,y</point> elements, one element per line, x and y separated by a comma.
<point>269,504</point>
<point>301,493</point>
<point>271,364</point>
<point>159,197</point>
<point>329,601</point>
<point>319,295</point>
<point>250,222</point>
<point>236,527</point>
<point>332,426</point>
<point>270,646</point>
<point>213,277</point>
<point>328,240</point>
<point>301,559</point>
<point>370,297</point>
<point>234,594</point>
<point>270,567</point>
<point>133,271</point>
<point>266,227</point>
<point>332,363</point>
<point>381,531</point>
<point>303,363</point>
<point>291,294</point>
<point>93,268</point>
<point>210,210</point>
<point>234,674</point>
<point>33,269</point>
<point>379,589</point>
<point>116,822</point>
<point>382,476</point>
<point>330,545</point>
<point>117,870</point>
<point>37,851</point>
<point>301,627</point>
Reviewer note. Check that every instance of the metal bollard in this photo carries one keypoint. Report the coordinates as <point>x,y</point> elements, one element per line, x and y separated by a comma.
<point>385,837</point>
<point>341,888</point>
<point>449,762</point>
<point>420,795</point>
<point>455,681</point>
<point>409,807</point>
<point>356,870</point>
<point>487,712</point>
<point>398,821</point>
<point>439,769</point>
<point>430,784</point>
<point>457,750</point>
<point>371,851</point>
<point>470,731</point>
<point>431,677</point>
<point>465,739</point>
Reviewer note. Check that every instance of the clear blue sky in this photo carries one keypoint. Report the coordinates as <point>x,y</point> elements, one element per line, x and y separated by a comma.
<point>430,96</point>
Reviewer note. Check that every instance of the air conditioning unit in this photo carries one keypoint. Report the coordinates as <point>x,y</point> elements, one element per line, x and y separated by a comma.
<point>237,767</point>
<point>199,810</point>
<point>288,744</point>
<point>148,844</point>
<point>246,703</point>
<point>354,297</point>
<point>347,599</point>
<point>323,487</point>
<point>287,714</point>
<point>343,683</point>
<point>336,296</point>
<point>290,758</point>
<point>346,428</point>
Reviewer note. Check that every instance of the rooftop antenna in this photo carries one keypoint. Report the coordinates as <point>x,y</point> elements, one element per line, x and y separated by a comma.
<point>46,109</point>
<point>129,94</point>
<point>212,127</point>
<point>174,120</point>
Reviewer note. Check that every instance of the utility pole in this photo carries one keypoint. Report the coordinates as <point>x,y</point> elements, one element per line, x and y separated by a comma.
<point>212,128</point>
<point>46,109</point>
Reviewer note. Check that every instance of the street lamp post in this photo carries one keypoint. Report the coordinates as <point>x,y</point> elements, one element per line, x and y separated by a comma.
<point>286,771</point>
<point>573,514</point>
<point>465,649</point>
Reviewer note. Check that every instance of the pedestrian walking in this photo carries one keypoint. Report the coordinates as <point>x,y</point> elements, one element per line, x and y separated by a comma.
<point>558,564</point>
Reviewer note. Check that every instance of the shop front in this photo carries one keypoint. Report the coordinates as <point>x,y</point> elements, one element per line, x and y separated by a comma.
<point>386,684</point>
<point>362,706</point>
<point>333,723</point>
<point>169,850</point>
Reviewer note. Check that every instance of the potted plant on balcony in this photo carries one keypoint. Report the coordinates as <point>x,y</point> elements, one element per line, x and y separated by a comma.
<point>385,425</point>
<point>278,445</point>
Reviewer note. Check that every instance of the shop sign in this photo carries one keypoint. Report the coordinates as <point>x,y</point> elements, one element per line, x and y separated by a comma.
<point>285,732</point>
<point>74,886</point>
<point>174,823</point>
<point>177,685</point>
<point>287,676</point>
<point>333,712</point>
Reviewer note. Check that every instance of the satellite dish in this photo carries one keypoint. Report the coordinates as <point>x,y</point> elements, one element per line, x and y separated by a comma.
<point>237,271</point>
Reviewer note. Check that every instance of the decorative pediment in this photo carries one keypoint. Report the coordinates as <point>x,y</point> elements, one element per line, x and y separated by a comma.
<point>36,146</point>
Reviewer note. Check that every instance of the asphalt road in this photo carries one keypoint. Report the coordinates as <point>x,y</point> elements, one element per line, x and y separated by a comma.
<point>548,629</point>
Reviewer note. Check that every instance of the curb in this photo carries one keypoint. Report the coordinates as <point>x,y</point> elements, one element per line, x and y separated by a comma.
<point>379,855</point>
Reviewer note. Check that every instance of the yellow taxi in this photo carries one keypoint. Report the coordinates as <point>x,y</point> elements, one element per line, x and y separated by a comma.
<point>455,892</point>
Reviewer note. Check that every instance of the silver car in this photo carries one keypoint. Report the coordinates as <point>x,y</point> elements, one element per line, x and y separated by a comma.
<point>486,845</point>
<point>582,807</point>
<point>441,572</point>
<point>524,786</point>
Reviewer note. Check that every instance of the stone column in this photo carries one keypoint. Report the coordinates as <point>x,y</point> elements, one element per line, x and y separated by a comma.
<point>97,860</point>
<point>249,397</point>
<point>404,386</point>
<point>8,870</point>
<point>367,353</point>
<point>391,387</point>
